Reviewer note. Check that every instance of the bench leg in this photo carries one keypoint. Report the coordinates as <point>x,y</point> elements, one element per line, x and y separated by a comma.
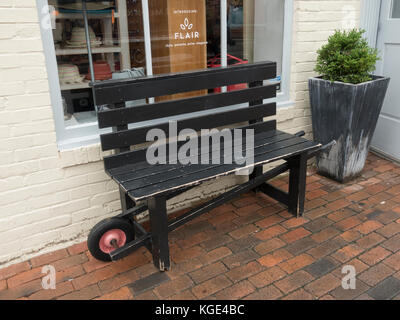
<point>297,184</point>
<point>126,202</point>
<point>159,231</point>
<point>302,182</point>
<point>258,171</point>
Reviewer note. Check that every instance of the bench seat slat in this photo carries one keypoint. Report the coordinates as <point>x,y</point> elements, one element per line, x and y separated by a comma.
<point>270,145</point>
<point>198,177</point>
<point>146,173</point>
<point>121,116</point>
<point>116,91</point>
<point>147,170</point>
<point>133,159</point>
<point>126,138</point>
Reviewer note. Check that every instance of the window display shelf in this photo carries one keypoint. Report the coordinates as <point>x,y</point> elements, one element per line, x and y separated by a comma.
<point>75,86</point>
<point>72,51</point>
<point>77,16</point>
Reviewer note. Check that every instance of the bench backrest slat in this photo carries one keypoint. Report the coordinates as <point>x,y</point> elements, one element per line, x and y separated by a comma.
<point>114,117</point>
<point>126,138</point>
<point>114,91</point>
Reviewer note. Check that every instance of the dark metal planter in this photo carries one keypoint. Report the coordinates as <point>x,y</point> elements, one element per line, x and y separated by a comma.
<point>347,113</point>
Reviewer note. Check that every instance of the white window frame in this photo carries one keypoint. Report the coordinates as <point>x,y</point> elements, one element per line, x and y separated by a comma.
<point>284,95</point>
<point>88,134</point>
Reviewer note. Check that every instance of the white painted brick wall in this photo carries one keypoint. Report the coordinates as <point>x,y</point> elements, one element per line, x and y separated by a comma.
<point>49,199</point>
<point>314,21</point>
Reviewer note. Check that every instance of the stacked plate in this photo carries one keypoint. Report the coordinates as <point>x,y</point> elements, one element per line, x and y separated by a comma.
<point>69,73</point>
<point>78,38</point>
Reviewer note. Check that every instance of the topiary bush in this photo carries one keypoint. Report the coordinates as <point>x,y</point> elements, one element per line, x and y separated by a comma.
<point>347,57</point>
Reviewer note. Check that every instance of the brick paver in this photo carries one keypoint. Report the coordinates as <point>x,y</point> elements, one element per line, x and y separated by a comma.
<point>251,248</point>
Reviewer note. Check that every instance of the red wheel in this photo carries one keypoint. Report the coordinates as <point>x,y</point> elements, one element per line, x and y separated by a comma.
<point>109,235</point>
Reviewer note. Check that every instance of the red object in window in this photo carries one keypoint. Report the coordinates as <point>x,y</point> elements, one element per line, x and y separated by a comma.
<point>117,66</point>
<point>232,61</point>
<point>102,71</point>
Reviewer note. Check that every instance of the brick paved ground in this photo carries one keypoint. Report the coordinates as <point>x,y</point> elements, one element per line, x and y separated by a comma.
<point>251,248</point>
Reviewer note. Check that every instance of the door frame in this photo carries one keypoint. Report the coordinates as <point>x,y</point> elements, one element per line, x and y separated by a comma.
<point>370,22</point>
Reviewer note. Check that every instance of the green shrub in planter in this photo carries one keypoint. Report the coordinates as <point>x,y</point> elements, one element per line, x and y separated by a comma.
<point>347,58</point>
<point>345,103</point>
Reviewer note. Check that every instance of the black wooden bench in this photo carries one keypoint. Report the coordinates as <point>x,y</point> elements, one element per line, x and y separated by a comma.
<point>147,187</point>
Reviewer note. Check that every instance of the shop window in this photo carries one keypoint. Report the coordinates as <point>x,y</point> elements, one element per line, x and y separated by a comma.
<point>132,38</point>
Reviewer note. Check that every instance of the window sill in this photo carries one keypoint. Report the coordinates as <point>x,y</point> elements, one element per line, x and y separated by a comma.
<point>76,143</point>
<point>285,104</point>
<point>88,152</point>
